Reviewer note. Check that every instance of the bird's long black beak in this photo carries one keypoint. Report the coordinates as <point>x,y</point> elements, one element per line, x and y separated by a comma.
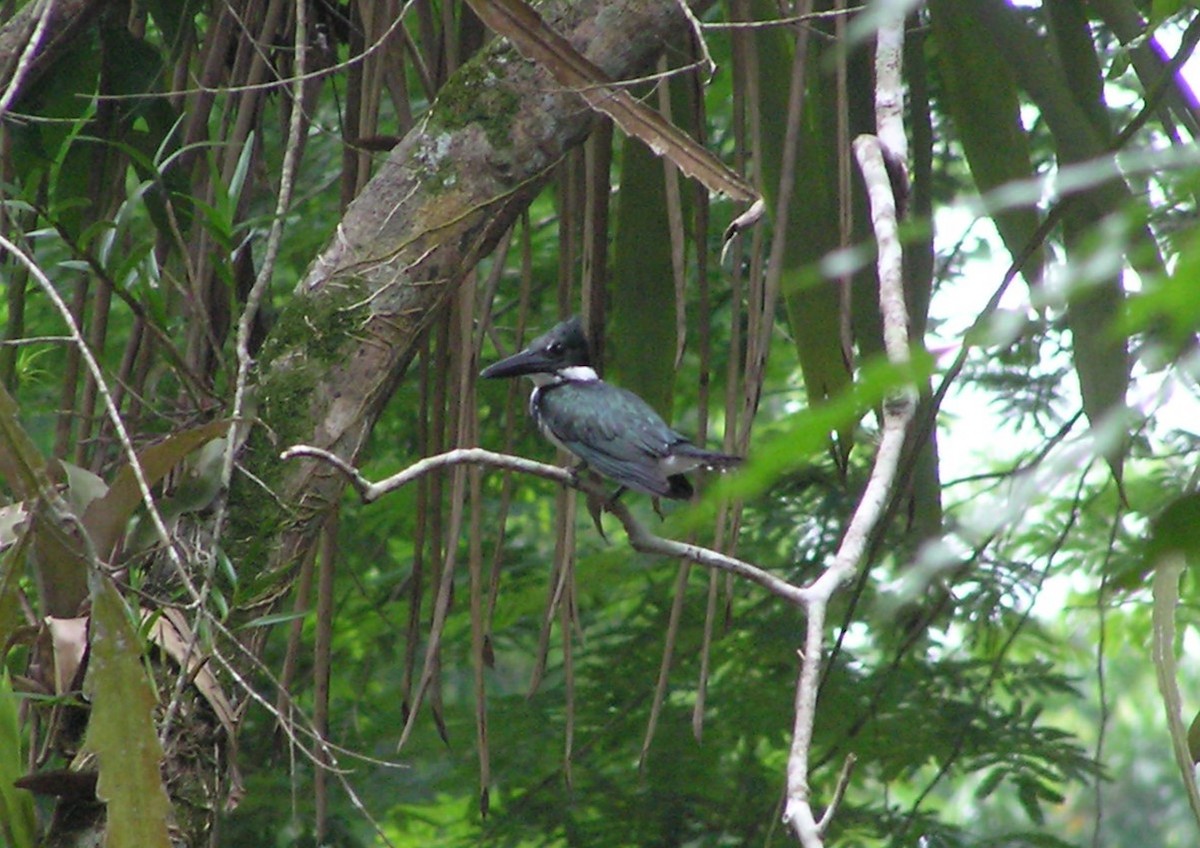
<point>528,361</point>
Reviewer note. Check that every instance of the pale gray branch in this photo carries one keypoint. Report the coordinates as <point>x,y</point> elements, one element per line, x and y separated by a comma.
<point>897,412</point>
<point>640,538</point>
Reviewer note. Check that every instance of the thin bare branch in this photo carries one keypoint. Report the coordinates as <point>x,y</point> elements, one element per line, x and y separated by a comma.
<point>44,10</point>
<point>790,20</point>
<point>839,792</point>
<point>640,538</point>
<point>287,179</point>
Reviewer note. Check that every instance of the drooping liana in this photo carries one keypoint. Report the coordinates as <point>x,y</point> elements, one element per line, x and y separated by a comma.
<point>611,429</point>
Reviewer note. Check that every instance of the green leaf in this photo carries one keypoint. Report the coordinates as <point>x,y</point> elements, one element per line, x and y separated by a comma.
<point>1160,10</point>
<point>981,96</point>
<point>17,822</point>
<point>11,617</point>
<point>83,486</point>
<point>1176,530</point>
<point>21,463</point>
<point>643,289</point>
<point>175,19</point>
<point>812,299</point>
<point>1029,794</point>
<point>990,783</point>
<point>1193,739</point>
<point>106,517</point>
<point>122,730</point>
<point>60,567</point>
<point>273,619</point>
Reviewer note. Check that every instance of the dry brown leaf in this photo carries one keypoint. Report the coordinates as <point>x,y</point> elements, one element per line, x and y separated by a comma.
<point>171,632</point>
<point>68,637</point>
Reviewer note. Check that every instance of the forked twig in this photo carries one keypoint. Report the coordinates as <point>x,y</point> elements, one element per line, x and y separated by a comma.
<point>640,538</point>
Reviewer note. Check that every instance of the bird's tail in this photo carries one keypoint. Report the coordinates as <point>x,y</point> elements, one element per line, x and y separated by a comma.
<point>711,460</point>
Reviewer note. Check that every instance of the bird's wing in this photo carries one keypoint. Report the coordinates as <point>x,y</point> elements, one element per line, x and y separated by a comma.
<point>612,430</point>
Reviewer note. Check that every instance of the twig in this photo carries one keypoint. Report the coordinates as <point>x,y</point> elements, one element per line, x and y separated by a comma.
<point>44,11</point>
<point>782,22</point>
<point>640,538</point>
<point>262,281</point>
<point>698,34</point>
<point>839,792</point>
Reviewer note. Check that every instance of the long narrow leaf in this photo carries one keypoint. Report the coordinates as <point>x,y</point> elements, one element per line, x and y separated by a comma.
<point>121,730</point>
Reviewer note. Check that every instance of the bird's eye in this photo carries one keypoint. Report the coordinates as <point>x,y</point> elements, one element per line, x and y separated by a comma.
<point>555,347</point>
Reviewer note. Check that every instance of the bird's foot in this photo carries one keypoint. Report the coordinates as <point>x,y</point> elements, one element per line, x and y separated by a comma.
<point>595,507</point>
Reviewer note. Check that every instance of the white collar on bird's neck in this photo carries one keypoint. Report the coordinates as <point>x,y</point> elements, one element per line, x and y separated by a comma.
<point>570,374</point>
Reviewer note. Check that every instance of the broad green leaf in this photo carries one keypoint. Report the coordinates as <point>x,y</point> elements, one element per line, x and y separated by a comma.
<point>1099,352</point>
<point>1193,739</point>
<point>60,565</point>
<point>121,730</point>
<point>1070,100</point>
<point>11,617</point>
<point>1160,10</point>
<point>1070,30</point>
<point>60,569</point>
<point>1176,530</point>
<point>83,486</point>
<point>21,463</point>
<point>176,20</point>
<point>17,822</point>
<point>1101,357</point>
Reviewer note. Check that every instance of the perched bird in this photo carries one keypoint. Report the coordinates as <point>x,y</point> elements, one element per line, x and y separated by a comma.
<point>611,429</point>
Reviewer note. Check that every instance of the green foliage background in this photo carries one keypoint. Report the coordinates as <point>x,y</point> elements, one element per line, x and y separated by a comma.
<point>993,680</point>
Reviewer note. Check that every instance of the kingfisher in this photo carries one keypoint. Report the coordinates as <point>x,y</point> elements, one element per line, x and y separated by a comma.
<point>611,429</point>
